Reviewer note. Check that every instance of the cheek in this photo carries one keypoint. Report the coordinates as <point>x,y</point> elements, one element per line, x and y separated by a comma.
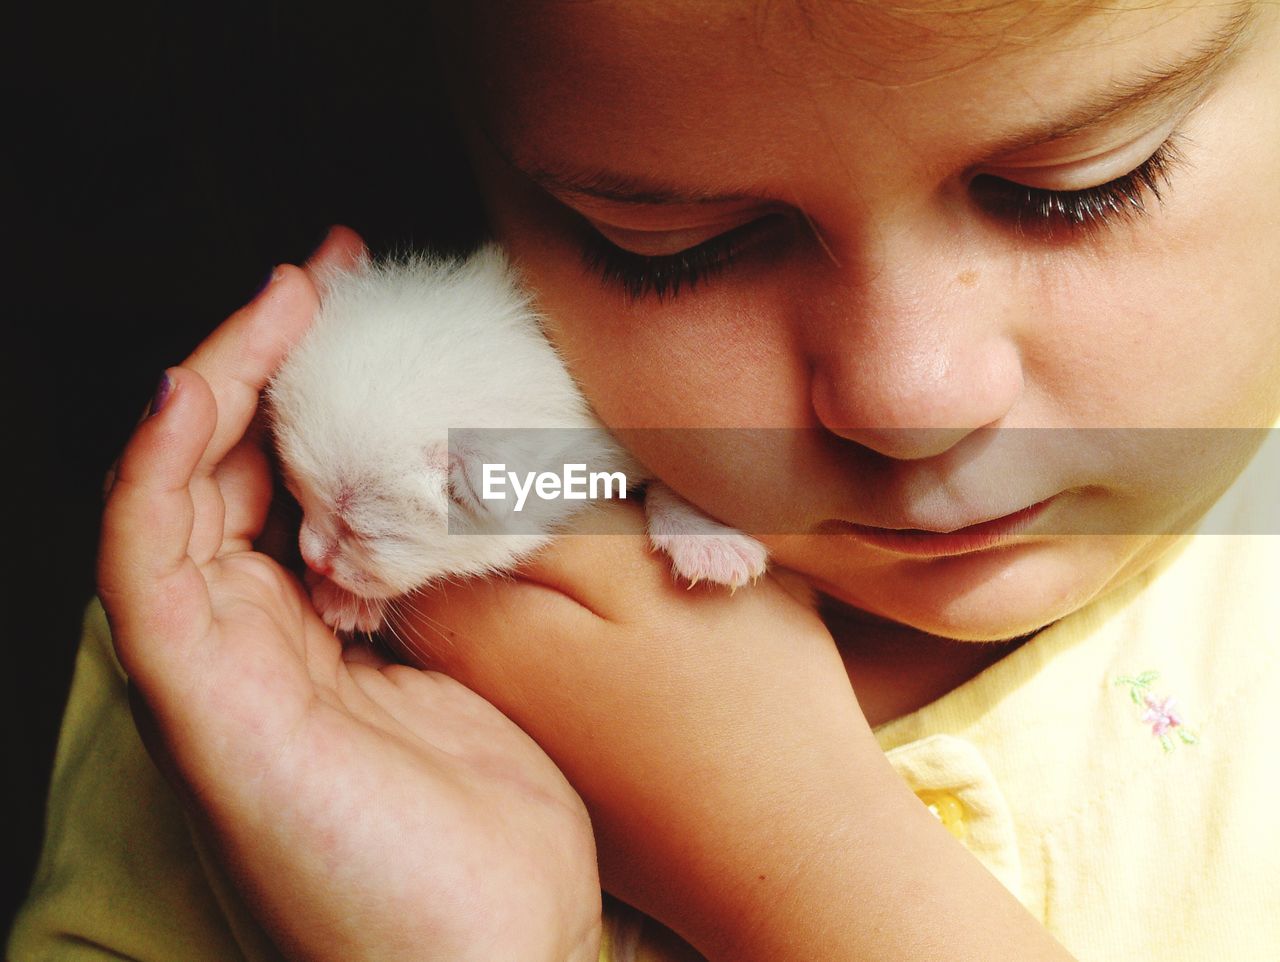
<point>1177,321</point>
<point>720,355</point>
<point>711,358</point>
<point>706,388</point>
<point>1159,333</point>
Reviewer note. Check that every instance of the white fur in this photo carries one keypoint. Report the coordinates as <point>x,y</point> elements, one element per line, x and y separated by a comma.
<point>399,353</point>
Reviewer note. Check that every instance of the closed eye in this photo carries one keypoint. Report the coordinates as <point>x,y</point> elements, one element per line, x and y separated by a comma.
<point>1122,198</point>
<point>665,275</point>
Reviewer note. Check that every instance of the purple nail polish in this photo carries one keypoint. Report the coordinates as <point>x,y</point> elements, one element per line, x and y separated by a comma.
<point>163,390</point>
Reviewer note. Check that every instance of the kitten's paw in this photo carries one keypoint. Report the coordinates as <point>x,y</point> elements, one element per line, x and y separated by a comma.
<point>343,611</point>
<point>731,558</point>
<point>701,549</point>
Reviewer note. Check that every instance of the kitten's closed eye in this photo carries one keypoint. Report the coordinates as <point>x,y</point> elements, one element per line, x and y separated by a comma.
<point>461,479</point>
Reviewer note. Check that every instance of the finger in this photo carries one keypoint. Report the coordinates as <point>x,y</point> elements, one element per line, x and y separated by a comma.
<point>341,250</point>
<point>278,537</point>
<point>244,481</point>
<point>244,474</point>
<point>154,594</point>
<point>360,653</point>
<point>602,571</point>
<point>238,358</point>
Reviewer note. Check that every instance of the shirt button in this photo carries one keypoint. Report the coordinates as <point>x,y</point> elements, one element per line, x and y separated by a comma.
<point>948,810</point>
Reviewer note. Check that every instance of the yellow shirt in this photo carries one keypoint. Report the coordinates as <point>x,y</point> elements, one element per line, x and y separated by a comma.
<point>1118,773</point>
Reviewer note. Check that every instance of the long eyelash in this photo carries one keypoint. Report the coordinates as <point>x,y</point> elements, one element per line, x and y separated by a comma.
<point>1035,209</point>
<point>662,276</point>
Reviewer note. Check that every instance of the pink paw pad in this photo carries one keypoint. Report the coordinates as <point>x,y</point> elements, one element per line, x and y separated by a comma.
<point>701,549</point>
<point>730,559</point>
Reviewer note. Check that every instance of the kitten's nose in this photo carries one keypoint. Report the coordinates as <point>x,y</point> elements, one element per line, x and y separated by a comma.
<point>317,550</point>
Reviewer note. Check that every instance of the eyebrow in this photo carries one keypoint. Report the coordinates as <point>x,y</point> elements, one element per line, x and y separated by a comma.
<point>607,184</point>
<point>1153,87</point>
<point>1182,78</point>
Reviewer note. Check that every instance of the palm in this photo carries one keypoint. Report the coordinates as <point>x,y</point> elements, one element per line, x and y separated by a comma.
<point>316,744</point>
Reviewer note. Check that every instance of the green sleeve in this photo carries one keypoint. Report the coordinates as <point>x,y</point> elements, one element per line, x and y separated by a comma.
<point>119,876</point>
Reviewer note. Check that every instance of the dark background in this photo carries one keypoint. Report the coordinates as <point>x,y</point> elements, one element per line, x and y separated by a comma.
<point>161,159</point>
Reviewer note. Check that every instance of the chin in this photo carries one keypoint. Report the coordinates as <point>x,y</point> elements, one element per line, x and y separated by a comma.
<point>993,595</point>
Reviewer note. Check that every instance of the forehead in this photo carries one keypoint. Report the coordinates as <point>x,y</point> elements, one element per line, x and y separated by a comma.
<point>665,83</point>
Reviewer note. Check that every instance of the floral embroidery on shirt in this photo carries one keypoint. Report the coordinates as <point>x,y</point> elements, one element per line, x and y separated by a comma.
<point>1161,713</point>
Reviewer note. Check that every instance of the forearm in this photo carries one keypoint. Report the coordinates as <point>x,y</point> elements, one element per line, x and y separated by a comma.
<point>804,844</point>
<point>857,869</point>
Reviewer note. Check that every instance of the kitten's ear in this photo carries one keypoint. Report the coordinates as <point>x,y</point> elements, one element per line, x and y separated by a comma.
<point>460,469</point>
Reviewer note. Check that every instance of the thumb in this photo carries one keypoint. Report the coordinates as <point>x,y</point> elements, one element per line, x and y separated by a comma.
<point>154,594</point>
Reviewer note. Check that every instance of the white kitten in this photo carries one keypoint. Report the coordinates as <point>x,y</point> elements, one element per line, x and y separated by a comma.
<point>399,354</point>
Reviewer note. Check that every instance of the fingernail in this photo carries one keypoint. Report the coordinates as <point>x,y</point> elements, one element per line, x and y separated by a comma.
<point>163,390</point>
<point>327,232</point>
<point>266,282</point>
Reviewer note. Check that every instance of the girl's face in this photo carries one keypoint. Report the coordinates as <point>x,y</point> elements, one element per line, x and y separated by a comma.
<point>967,262</point>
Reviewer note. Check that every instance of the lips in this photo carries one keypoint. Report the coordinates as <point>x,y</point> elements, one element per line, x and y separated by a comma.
<point>917,542</point>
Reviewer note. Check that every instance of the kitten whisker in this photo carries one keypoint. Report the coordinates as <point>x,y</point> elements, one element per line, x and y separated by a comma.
<point>410,621</point>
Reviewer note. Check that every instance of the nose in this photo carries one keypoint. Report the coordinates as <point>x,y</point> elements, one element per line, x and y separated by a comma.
<point>910,359</point>
<point>911,404</point>
<point>318,551</point>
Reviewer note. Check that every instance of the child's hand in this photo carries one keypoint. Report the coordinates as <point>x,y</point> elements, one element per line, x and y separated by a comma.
<point>367,811</point>
<point>697,725</point>
<point>736,790</point>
